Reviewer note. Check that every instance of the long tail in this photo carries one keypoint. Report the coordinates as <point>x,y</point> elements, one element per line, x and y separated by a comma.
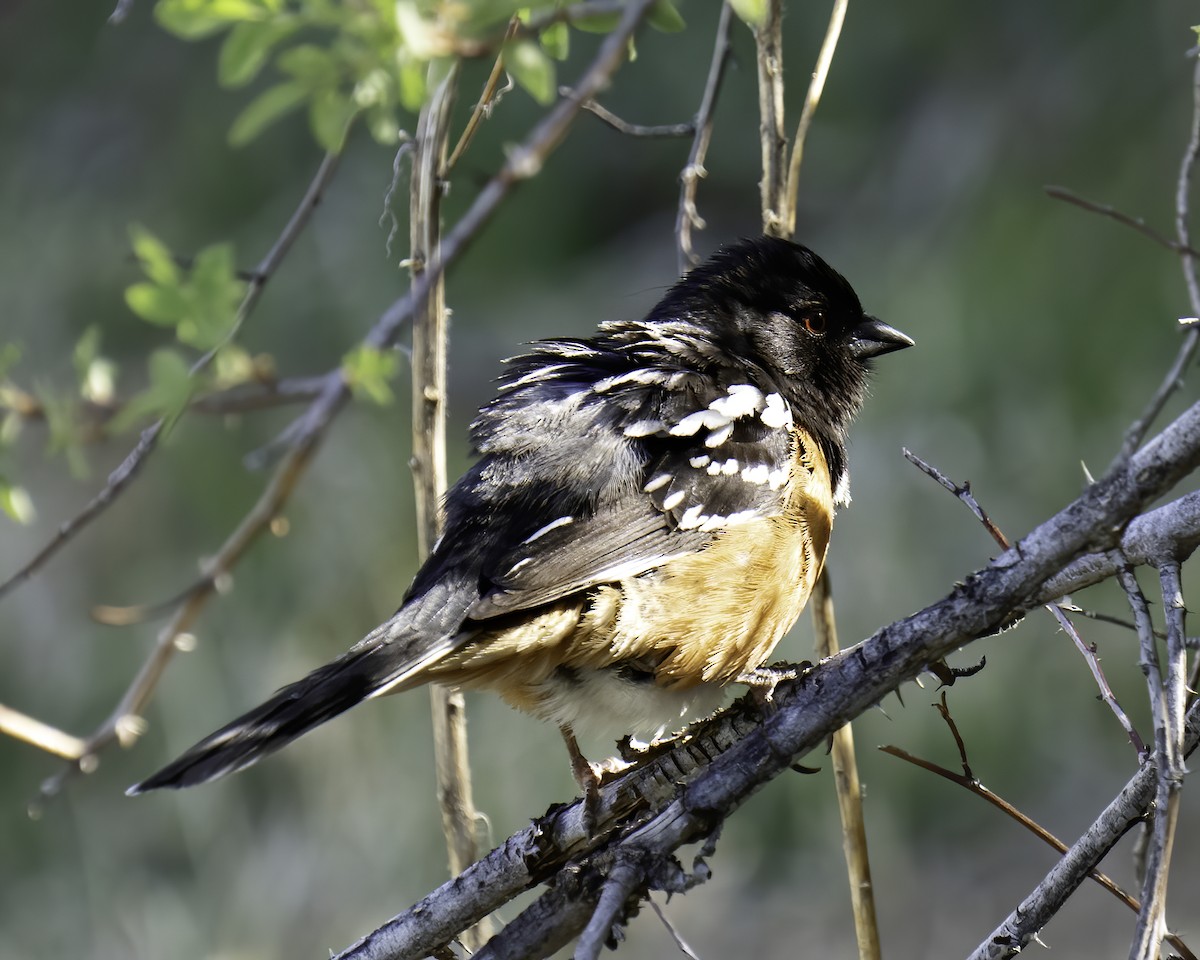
<point>391,657</point>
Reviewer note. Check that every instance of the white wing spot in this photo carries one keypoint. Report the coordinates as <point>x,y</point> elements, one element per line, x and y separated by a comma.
<point>701,461</point>
<point>690,424</point>
<point>777,414</point>
<point>674,500</point>
<point>542,531</point>
<point>713,469</point>
<point>730,467</point>
<point>657,482</point>
<point>759,473</point>
<point>643,428</point>
<point>742,400</point>
<point>778,478</point>
<point>717,437</point>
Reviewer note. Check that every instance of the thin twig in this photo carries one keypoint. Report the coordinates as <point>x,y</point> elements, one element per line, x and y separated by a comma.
<point>663,130</point>
<point>124,724</point>
<point>1137,223</point>
<point>684,947</point>
<point>963,493</point>
<point>483,107</point>
<point>849,792</point>
<point>974,786</point>
<point>1191,338</point>
<point>21,727</point>
<point>120,478</point>
<point>815,88</point>
<point>687,216</point>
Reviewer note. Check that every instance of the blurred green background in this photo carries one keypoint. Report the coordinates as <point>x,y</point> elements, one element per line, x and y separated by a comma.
<point>1041,332</point>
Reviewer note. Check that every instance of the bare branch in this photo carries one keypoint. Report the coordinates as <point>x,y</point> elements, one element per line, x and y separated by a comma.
<point>816,87</point>
<point>665,130</point>
<point>687,216</point>
<point>620,883</point>
<point>963,492</point>
<point>1035,911</point>
<point>768,41</point>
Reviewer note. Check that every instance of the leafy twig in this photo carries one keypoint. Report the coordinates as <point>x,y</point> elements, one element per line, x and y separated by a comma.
<point>120,478</point>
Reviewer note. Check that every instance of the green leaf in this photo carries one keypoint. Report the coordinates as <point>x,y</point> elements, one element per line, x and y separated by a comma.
<point>61,411</point>
<point>264,110</point>
<point>412,85</point>
<point>168,393</point>
<point>155,256</point>
<point>310,64</point>
<point>556,41</point>
<point>753,13</point>
<point>664,17</point>
<point>164,306</point>
<point>329,117</point>
<point>383,126</point>
<point>246,50</point>
<point>367,372</point>
<point>597,23</point>
<point>532,69</point>
<point>194,19</point>
<point>213,292</point>
<point>16,502</point>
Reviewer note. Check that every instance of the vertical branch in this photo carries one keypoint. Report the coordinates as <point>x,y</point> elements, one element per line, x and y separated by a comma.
<point>777,197</point>
<point>849,793</point>
<point>1152,919</point>
<point>429,460</point>
<point>768,42</point>
<point>815,88</point>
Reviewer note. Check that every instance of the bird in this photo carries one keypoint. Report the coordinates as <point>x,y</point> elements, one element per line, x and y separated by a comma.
<point>648,513</point>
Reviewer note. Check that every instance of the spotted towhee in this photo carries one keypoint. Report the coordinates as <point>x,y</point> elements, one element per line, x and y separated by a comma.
<point>649,512</point>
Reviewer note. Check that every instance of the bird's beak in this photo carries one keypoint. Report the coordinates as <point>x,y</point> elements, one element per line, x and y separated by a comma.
<point>874,337</point>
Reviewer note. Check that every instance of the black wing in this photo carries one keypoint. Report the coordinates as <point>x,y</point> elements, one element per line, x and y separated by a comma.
<point>652,463</point>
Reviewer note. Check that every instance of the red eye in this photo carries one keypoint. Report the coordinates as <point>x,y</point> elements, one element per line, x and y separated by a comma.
<point>815,323</point>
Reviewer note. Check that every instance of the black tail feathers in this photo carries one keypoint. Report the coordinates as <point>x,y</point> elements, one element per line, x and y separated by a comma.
<point>294,710</point>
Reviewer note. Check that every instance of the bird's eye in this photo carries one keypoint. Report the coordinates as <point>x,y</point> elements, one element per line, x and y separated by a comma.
<point>815,322</point>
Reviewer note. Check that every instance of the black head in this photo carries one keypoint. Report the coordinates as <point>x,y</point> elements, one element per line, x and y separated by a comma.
<point>777,305</point>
